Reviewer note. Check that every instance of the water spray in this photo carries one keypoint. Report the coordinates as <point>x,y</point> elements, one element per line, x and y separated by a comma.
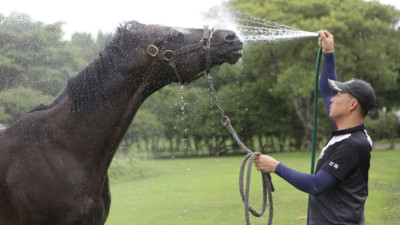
<point>253,29</point>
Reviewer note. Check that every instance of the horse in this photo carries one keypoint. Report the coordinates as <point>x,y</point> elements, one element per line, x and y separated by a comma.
<point>54,159</point>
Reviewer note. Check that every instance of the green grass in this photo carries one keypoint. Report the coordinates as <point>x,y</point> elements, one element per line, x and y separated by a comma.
<point>383,203</point>
<point>205,191</point>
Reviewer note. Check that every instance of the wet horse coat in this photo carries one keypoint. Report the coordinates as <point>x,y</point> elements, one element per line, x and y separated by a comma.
<point>54,160</point>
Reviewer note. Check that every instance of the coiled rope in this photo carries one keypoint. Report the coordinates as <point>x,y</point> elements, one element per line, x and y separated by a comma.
<point>268,187</point>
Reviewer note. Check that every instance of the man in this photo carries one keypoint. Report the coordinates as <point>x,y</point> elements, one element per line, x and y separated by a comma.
<point>339,188</point>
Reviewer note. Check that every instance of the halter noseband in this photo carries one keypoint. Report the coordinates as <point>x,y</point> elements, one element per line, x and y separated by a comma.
<point>170,55</point>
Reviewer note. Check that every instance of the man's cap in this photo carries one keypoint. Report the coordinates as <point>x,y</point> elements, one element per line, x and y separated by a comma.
<point>359,89</point>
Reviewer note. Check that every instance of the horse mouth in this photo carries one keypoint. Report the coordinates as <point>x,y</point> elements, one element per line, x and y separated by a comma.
<point>230,52</point>
<point>235,54</point>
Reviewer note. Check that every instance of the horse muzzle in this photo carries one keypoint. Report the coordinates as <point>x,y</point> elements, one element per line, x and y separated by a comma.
<point>232,49</point>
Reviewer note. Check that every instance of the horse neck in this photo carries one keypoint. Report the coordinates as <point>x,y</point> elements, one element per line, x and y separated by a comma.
<point>97,130</point>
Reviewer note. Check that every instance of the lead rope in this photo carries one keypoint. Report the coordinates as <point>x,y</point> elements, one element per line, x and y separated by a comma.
<point>268,187</point>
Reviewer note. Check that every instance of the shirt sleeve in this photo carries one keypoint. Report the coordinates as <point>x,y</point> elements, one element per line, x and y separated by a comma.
<point>309,183</point>
<point>328,72</point>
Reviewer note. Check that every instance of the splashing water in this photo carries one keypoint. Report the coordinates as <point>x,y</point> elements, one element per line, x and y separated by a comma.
<point>181,116</point>
<point>253,29</point>
<point>181,103</point>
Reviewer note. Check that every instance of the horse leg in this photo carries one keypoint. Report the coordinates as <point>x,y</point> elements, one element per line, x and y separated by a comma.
<point>106,197</point>
<point>91,212</point>
<point>97,209</point>
<point>87,210</point>
<point>7,215</point>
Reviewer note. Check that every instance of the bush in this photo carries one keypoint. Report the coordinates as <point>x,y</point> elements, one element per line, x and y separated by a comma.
<point>385,127</point>
<point>125,168</point>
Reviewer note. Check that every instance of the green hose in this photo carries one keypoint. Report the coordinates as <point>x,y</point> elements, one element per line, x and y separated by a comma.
<point>314,134</point>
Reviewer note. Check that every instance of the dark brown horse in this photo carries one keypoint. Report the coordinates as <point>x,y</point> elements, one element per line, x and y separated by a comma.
<point>54,160</point>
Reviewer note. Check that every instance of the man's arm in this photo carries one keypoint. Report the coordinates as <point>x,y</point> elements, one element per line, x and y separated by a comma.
<point>328,68</point>
<point>328,72</point>
<point>312,184</point>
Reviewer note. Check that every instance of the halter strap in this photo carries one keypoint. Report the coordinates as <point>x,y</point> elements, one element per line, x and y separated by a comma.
<point>206,41</point>
<point>169,55</point>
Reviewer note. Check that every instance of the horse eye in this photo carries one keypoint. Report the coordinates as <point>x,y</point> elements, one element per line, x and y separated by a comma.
<point>174,35</point>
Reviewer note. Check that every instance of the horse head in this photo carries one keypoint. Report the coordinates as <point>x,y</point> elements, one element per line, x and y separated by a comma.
<point>182,54</point>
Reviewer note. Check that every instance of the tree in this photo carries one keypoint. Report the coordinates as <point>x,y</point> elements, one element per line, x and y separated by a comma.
<point>16,102</point>
<point>145,127</point>
<point>363,32</point>
<point>33,54</point>
<point>35,62</point>
<point>386,126</point>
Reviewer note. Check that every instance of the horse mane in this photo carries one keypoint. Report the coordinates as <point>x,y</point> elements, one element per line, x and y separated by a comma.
<point>94,83</point>
<point>42,106</point>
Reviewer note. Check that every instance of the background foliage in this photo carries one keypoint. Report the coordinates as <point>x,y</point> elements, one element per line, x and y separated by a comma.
<point>268,96</point>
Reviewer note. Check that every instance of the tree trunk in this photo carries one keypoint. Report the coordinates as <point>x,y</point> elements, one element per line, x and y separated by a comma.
<point>302,108</point>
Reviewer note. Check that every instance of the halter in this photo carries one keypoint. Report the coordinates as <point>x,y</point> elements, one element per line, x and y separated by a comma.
<point>170,55</point>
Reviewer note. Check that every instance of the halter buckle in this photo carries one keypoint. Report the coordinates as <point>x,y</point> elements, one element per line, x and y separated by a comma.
<point>152,50</point>
<point>168,55</point>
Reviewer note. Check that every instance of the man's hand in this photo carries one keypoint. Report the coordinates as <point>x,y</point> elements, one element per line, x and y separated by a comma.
<point>326,41</point>
<point>265,163</point>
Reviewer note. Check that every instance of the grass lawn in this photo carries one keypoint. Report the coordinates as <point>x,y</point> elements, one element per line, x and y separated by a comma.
<point>205,191</point>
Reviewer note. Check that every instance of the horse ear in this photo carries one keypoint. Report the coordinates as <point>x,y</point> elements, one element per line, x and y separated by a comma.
<point>131,31</point>
<point>143,32</point>
<point>133,26</point>
<point>175,35</point>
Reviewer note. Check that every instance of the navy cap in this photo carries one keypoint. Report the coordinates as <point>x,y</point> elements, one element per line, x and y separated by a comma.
<point>359,89</point>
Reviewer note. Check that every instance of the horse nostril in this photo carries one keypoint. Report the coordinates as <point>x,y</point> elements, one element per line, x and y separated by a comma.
<point>231,37</point>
